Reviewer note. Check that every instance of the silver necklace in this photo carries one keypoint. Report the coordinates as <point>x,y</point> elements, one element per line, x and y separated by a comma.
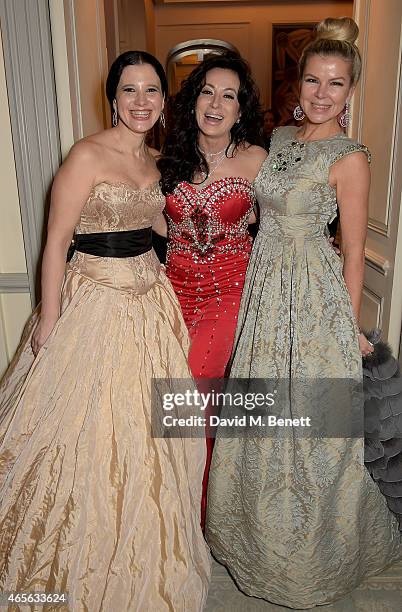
<point>212,154</point>
<point>213,165</point>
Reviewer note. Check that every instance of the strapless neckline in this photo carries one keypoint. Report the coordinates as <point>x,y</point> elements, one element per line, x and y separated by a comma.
<point>229,179</point>
<point>120,206</point>
<point>127,185</point>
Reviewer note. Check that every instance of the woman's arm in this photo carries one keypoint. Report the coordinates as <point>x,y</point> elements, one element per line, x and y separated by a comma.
<point>351,176</point>
<point>159,226</point>
<point>70,191</point>
<point>257,156</point>
<point>252,218</point>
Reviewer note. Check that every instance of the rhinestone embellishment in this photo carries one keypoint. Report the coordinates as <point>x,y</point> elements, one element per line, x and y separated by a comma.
<point>290,155</point>
<point>352,148</point>
<point>202,233</point>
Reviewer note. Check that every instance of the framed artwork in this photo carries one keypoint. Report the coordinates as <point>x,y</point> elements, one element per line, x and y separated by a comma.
<point>288,41</point>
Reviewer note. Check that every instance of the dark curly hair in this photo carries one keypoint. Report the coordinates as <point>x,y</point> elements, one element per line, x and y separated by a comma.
<point>181,158</point>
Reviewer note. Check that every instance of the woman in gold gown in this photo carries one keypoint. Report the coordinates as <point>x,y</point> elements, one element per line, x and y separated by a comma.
<point>91,504</point>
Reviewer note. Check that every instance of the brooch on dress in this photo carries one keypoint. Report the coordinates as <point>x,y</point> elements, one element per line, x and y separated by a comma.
<point>289,156</point>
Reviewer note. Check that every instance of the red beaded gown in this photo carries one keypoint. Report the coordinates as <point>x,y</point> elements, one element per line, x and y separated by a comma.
<point>208,251</point>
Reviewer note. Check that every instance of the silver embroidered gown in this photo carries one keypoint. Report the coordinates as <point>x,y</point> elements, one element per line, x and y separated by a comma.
<point>298,522</point>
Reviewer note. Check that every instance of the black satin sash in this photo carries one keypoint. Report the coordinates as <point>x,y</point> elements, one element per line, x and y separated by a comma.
<point>113,244</point>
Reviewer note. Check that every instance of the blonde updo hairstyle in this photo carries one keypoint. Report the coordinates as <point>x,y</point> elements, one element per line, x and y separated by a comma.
<point>335,36</point>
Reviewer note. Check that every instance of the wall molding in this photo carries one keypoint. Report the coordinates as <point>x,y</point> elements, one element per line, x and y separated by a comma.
<point>378,227</point>
<point>14,283</point>
<point>28,60</point>
<point>377,262</point>
<point>378,302</point>
<point>72,58</point>
<point>400,351</point>
<point>225,25</point>
<point>384,229</point>
<point>362,17</point>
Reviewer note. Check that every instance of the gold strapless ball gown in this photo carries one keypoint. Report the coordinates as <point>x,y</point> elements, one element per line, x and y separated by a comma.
<point>90,503</point>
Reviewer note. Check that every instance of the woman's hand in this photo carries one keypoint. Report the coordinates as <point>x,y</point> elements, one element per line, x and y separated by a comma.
<point>252,217</point>
<point>42,332</point>
<point>366,348</point>
<point>331,241</point>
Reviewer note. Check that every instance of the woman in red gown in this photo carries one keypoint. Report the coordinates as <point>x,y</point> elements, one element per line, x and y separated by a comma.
<point>210,160</point>
<point>208,252</point>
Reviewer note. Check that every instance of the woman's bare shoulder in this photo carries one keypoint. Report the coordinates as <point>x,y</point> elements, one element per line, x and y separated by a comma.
<point>251,158</point>
<point>253,152</point>
<point>89,147</point>
<point>85,159</point>
<point>259,153</point>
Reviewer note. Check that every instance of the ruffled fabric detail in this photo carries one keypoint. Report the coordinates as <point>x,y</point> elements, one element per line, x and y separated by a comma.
<point>382,384</point>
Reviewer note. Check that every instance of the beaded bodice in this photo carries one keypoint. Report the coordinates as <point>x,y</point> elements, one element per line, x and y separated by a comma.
<point>114,207</point>
<point>292,187</point>
<point>211,220</point>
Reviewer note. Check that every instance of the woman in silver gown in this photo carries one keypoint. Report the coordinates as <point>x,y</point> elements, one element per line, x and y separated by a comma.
<point>299,521</point>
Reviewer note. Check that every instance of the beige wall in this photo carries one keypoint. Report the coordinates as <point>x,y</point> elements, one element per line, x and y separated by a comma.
<point>62,78</point>
<point>132,29</point>
<point>14,308</point>
<point>377,123</point>
<point>92,63</point>
<point>112,29</point>
<point>81,66</point>
<point>137,29</point>
<point>85,34</point>
<point>150,26</point>
<point>395,319</point>
<point>161,26</point>
<point>247,27</point>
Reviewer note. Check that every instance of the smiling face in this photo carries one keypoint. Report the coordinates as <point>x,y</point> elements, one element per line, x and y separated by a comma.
<point>325,88</point>
<point>217,108</point>
<point>139,97</point>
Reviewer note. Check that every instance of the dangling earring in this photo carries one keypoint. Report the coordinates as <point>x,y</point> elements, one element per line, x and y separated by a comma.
<point>298,113</point>
<point>162,119</point>
<point>238,121</point>
<point>344,119</point>
<point>115,118</point>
